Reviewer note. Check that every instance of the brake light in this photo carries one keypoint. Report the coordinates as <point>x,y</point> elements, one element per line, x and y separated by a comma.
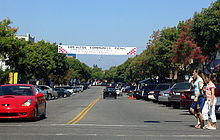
<point>183,96</point>
<point>170,93</point>
<point>160,94</point>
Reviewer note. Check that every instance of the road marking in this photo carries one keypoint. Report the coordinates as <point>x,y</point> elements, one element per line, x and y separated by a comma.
<point>110,135</point>
<point>84,112</point>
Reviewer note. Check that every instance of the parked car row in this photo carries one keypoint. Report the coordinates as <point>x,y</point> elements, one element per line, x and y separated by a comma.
<point>61,91</point>
<point>177,95</point>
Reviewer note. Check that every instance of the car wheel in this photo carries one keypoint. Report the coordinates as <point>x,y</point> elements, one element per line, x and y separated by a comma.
<point>176,106</point>
<point>36,117</point>
<point>64,95</point>
<point>44,115</point>
<point>49,97</point>
<point>168,104</point>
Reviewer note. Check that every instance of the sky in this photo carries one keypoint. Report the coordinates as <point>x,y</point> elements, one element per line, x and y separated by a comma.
<point>124,23</point>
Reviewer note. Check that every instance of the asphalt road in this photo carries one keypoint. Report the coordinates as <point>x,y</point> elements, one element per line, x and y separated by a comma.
<point>87,116</point>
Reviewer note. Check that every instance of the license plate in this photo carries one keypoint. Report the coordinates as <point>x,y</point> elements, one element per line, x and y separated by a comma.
<point>177,93</point>
<point>166,94</point>
<point>192,97</point>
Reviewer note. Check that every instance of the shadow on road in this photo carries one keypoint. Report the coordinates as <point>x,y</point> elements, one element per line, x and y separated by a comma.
<point>18,120</point>
<point>151,121</point>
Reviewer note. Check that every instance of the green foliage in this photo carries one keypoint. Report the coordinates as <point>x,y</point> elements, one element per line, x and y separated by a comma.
<point>97,73</point>
<point>82,71</point>
<point>37,60</point>
<point>4,76</point>
<point>206,31</point>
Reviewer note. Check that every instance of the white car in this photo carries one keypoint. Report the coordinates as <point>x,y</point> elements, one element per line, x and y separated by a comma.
<point>123,89</point>
<point>151,95</point>
<point>118,92</point>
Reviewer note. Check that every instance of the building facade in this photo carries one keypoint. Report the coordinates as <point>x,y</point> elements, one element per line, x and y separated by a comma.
<point>27,37</point>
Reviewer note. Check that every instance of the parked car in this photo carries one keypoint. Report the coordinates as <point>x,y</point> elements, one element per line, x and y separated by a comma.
<point>68,88</point>
<point>75,89</point>
<point>80,88</point>
<point>138,94</point>
<point>146,89</point>
<point>187,98</point>
<point>62,92</point>
<point>109,92</point>
<point>124,89</point>
<point>118,91</point>
<point>85,86</point>
<point>176,93</point>
<point>21,101</point>
<point>163,97</point>
<point>42,91</point>
<point>151,96</point>
<point>130,90</point>
<point>160,87</point>
<point>51,94</point>
<point>217,106</point>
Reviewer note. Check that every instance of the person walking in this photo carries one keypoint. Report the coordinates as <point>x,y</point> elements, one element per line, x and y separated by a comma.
<point>198,103</point>
<point>209,106</point>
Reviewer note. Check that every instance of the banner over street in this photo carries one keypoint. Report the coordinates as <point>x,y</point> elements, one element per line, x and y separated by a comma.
<point>98,50</point>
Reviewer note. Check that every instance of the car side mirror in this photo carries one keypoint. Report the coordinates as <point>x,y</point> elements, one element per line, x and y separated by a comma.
<point>39,95</point>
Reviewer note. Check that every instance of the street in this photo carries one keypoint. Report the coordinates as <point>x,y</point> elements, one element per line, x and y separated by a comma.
<point>87,116</point>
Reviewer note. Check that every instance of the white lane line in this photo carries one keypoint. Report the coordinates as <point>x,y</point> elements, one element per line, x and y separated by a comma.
<point>109,135</point>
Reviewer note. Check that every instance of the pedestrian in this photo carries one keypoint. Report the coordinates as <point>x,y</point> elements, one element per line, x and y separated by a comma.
<point>209,106</point>
<point>198,103</point>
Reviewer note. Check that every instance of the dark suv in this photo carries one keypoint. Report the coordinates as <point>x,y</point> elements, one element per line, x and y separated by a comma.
<point>147,89</point>
<point>109,92</point>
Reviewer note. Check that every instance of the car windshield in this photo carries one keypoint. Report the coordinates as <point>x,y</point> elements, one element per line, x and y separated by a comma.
<point>109,89</point>
<point>65,87</point>
<point>182,86</point>
<point>16,90</point>
<point>58,89</point>
<point>162,87</point>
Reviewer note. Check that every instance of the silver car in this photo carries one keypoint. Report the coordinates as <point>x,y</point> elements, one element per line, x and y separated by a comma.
<point>51,94</point>
<point>163,96</point>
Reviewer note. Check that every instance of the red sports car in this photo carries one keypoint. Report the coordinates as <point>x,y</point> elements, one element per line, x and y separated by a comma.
<point>21,101</point>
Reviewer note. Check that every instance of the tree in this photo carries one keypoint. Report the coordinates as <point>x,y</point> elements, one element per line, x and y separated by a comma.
<point>60,73</point>
<point>206,32</point>
<point>38,60</point>
<point>186,49</point>
<point>81,71</point>
<point>97,73</point>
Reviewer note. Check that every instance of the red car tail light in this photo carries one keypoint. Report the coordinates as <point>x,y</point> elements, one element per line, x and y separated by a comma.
<point>170,93</point>
<point>183,96</point>
<point>160,94</point>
